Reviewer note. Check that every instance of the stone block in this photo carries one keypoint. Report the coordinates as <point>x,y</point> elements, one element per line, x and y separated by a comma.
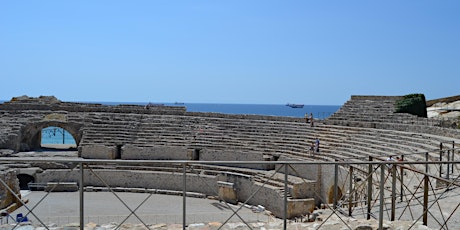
<point>98,152</point>
<point>10,178</point>
<point>303,190</point>
<point>227,192</point>
<point>233,155</point>
<point>131,152</point>
<point>300,207</point>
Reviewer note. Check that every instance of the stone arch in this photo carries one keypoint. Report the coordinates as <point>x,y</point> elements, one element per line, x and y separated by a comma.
<point>31,133</point>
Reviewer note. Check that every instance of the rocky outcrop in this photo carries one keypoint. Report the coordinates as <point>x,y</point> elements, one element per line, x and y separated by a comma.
<point>443,110</point>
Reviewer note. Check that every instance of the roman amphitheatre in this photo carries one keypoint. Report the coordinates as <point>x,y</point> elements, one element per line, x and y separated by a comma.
<point>259,161</point>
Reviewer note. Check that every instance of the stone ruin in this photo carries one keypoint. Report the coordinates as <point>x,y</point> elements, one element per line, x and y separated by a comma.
<point>133,132</point>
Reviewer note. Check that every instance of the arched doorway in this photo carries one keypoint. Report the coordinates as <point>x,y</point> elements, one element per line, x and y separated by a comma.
<point>58,138</point>
<point>33,133</point>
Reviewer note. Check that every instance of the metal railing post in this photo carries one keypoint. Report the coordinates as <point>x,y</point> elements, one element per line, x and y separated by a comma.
<point>285,196</point>
<point>425,201</point>
<point>82,206</point>
<point>453,156</point>
<point>350,192</point>
<point>382,195</point>
<point>426,160</point>
<point>401,175</point>
<point>440,159</point>
<point>336,179</point>
<point>448,165</point>
<point>369,189</point>
<point>184,196</point>
<point>393,192</point>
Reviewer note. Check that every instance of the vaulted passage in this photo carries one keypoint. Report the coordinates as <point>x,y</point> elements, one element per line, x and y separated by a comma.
<point>57,138</point>
<point>50,135</point>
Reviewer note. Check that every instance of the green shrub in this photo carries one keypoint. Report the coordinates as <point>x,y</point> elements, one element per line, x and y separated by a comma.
<point>414,104</point>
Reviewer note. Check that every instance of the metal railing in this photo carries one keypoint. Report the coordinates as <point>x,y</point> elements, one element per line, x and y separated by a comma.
<point>396,190</point>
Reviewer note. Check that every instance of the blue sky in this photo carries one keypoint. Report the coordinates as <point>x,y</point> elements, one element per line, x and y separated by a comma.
<point>263,52</point>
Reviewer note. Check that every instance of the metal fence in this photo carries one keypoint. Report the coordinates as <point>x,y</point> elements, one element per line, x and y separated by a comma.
<point>417,191</point>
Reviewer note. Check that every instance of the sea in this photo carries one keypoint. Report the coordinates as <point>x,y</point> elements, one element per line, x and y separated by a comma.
<point>318,111</point>
<point>55,135</point>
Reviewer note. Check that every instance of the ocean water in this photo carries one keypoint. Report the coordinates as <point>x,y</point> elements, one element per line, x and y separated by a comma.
<point>319,111</point>
<point>56,135</point>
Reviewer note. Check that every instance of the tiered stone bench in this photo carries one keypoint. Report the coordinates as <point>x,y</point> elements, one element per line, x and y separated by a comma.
<point>365,126</point>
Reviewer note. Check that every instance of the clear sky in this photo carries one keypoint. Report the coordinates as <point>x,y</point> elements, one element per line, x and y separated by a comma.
<point>264,52</point>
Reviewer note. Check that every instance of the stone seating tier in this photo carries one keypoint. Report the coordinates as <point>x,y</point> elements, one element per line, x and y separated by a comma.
<point>214,137</point>
<point>384,138</point>
<point>211,137</point>
<point>359,136</point>
<point>381,142</point>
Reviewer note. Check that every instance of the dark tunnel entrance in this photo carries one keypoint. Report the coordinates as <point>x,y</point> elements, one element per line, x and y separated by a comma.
<point>24,181</point>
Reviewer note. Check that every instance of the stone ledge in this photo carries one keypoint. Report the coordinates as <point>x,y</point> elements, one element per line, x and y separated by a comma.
<point>143,190</point>
<point>61,187</point>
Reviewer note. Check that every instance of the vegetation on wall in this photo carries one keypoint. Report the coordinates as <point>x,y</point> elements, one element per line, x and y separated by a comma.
<point>414,104</point>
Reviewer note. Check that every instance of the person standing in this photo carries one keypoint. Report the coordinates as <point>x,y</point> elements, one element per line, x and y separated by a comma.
<point>317,145</point>
<point>311,119</point>
<point>390,158</point>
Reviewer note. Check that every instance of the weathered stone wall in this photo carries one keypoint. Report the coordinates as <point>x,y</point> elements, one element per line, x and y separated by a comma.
<point>323,175</point>
<point>271,198</point>
<point>327,182</point>
<point>233,155</point>
<point>134,179</point>
<point>131,152</point>
<point>7,199</point>
<point>10,141</point>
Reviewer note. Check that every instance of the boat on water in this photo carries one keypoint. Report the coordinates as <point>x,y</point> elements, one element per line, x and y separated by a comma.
<point>296,106</point>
